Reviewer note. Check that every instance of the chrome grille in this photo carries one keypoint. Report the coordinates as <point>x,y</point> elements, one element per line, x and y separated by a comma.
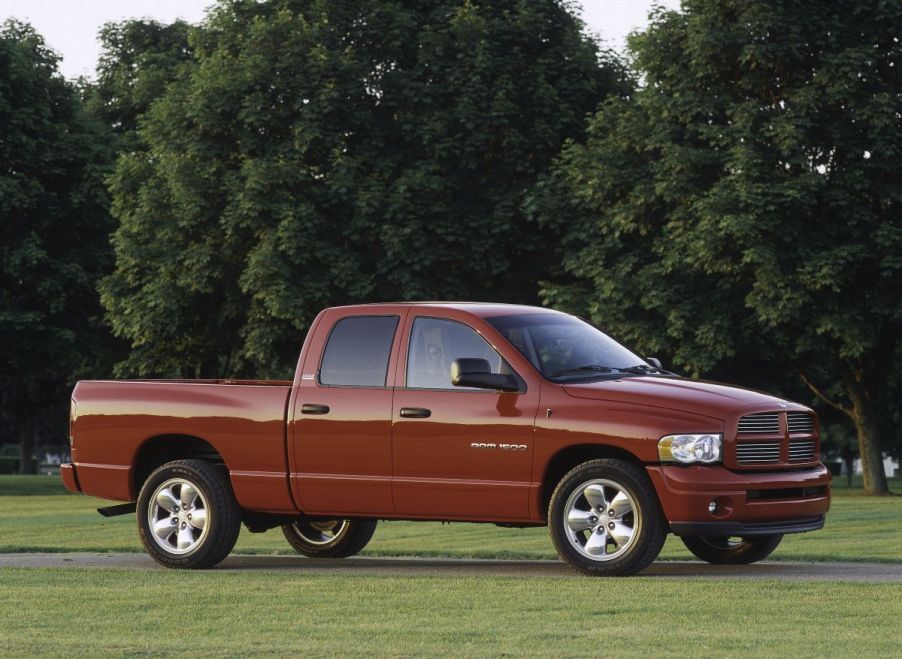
<point>757,452</point>
<point>800,422</point>
<point>765,423</point>
<point>801,451</point>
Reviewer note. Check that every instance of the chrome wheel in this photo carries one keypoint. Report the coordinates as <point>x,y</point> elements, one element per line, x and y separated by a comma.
<point>329,538</point>
<point>321,532</point>
<point>723,542</point>
<point>600,519</point>
<point>732,550</point>
<point>177,516</point>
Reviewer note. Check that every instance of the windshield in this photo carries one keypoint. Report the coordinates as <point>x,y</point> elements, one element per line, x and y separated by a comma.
<point>565,347</point>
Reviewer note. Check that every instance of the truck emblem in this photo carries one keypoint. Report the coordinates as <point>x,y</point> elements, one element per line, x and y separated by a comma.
<point>498,447</point>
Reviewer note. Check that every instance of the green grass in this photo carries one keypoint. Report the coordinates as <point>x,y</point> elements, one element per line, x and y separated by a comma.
<point>78,611</point>
<point>38,515</point>
<point>89,612</point>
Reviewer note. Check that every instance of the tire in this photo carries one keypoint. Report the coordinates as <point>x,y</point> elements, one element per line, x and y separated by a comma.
<point>181,493</point>
<point>590,540</point>
<point>724,550</point>
<point>329,538</point>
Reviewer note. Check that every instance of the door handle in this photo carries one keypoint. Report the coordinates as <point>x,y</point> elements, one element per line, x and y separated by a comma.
<point>312,408</point>
<point>415,413</point>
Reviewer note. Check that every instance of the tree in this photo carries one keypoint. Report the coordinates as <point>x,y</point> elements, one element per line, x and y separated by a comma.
<point>139,58</point>
<point>53,209</point>
<point>746,201</point>
<point>320,152</point>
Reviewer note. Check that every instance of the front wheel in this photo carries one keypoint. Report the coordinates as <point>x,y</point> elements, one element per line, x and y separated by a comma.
<point>187,515</point>
<point>726,550</point>
<point>329,538</point>
<point>605,519</point>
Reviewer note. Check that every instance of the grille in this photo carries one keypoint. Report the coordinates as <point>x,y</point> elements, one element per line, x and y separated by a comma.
<point>801,451</point>
<point>758,452</point>
<point>800,422</point>
<point>768,422</point>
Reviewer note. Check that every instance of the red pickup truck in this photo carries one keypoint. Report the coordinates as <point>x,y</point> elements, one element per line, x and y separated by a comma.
<point>473,412</point>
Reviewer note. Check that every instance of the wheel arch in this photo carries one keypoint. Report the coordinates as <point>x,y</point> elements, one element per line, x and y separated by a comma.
<point>160,449</point>
<point>569,457</point>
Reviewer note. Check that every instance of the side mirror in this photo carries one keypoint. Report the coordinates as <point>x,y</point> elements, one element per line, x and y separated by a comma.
<point>654,361</point>
<point>476,373</point>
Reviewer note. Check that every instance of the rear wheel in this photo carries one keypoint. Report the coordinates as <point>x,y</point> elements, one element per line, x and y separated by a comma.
<point>187,515</point>
<point>605,519</point>
<point>329,538</point>
<point>727,550</point>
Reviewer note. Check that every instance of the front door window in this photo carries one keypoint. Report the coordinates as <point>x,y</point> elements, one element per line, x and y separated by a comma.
<point>435,343</point>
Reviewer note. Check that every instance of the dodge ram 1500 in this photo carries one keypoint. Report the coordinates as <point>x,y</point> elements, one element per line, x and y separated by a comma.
<point>473,412</point>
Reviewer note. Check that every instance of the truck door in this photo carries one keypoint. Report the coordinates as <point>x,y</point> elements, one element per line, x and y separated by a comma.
<point>458,453</point>
<point>341,430</point>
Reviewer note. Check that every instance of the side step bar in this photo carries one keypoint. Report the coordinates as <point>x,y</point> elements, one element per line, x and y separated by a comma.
<point>124,509</point>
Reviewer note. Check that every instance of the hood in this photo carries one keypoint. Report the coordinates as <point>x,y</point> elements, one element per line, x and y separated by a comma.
<point>711,399</point>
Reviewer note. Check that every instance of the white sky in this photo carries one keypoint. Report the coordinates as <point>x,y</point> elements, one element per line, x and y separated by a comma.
<point>70,27</point>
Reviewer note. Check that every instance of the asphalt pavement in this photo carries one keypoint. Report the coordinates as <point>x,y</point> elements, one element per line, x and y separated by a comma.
<point>780,571</point>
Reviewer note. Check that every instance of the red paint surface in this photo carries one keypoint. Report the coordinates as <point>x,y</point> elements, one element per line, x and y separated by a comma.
<point>364,459</point>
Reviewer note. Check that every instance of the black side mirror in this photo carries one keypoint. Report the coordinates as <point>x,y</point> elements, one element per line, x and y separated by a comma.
<point>654,361</point>
<point>476,373</point>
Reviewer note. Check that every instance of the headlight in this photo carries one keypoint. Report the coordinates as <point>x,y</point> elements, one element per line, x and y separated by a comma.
<point>690,448</point>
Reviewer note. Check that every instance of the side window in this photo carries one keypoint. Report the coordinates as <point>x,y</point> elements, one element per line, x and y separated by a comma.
<point>357,351</point>
<point>434,343</point>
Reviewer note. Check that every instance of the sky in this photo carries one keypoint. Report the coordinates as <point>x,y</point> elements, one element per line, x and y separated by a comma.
<point>70,27</point>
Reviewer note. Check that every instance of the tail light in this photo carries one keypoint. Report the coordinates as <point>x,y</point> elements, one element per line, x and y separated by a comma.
<point>73,410</point>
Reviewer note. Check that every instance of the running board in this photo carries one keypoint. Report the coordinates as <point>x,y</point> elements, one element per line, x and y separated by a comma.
<point>124,509</point>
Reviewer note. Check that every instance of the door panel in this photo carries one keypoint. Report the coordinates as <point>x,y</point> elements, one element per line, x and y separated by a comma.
<point>454,464</point>
<point>340,451</point>
<point>344,456</point>
<point>458,453</point>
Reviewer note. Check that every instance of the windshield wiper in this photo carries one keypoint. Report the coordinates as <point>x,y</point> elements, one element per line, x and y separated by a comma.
<point>588,368</point>
<point>638,369</point>
<point>641,369</point>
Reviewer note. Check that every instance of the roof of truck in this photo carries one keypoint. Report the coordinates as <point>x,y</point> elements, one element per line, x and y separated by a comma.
<point>482,309</point>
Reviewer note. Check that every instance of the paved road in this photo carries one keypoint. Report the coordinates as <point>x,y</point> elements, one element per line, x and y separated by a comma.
<point>858,572</point>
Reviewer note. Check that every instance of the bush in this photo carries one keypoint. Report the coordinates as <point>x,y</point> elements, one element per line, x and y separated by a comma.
<point>9,465</point>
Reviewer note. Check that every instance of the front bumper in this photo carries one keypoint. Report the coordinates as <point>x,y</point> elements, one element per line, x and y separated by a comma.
<point>751,528</point>
<point>747,503</point>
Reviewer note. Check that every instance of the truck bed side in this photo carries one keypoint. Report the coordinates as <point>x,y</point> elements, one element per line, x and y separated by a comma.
<point>121,428</point>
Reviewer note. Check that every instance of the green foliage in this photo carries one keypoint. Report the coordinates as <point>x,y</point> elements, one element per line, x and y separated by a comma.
<point>139,58</point>
<point>320,152</point>
<point>746,201</point>
<point>55,227</point>
<point>9,465</point>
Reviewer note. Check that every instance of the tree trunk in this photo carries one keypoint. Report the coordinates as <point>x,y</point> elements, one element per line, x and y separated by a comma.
<point>848,457</point>
<point>863,412</point>
<point>26,448</point>
<point>866,427</point>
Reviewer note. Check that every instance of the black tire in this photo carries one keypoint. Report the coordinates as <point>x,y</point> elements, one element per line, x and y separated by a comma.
<point>336,538</point>
<point>220,510</point>
<point>723,550</point>
<point>647,524</point>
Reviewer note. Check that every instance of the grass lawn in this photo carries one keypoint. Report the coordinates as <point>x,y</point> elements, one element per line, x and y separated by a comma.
<point>89,612</point>
<point>39,515</point>
<point>226,613</point>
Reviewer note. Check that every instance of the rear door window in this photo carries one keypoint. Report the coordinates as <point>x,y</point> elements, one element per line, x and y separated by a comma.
<point>357,351</point>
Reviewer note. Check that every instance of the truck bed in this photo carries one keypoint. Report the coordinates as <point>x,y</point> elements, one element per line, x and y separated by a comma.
<point>119,421</point>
